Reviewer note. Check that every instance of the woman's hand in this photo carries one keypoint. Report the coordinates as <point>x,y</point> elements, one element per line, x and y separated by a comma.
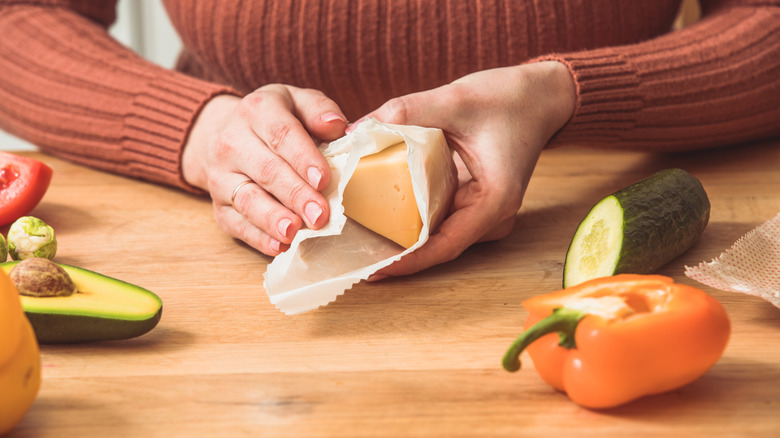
<point>498,121</point>
<point>266,138</point>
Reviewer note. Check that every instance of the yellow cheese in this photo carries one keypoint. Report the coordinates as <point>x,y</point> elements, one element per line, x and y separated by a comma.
<point>379,196</point>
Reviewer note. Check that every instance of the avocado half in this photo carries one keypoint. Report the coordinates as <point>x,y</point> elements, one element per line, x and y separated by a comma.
<point>103,308</point>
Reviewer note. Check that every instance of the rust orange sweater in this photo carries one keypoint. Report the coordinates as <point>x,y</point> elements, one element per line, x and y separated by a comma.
<point>69,88</point>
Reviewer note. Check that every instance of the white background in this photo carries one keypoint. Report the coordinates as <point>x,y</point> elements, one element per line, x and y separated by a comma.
<point>141,25</point>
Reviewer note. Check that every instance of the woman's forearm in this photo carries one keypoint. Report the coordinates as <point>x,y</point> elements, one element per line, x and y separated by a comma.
<point>713,83</point>
<point>71,89</point>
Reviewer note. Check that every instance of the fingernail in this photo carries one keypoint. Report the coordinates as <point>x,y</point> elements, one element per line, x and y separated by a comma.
<point>331,117</point>
<point>376,277</point>
<point>313,212</point>
<point>314,175</point>
<point>275,244</point>
<point>283,226</point>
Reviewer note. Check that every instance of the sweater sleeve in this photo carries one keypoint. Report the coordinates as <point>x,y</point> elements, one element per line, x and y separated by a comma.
<point>714,83</point>
<point>71,89</point>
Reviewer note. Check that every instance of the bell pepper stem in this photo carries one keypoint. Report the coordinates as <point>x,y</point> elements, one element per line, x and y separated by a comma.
<point>563,321</point>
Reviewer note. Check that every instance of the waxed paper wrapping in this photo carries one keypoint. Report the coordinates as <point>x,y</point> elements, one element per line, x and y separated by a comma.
<point>750,266</point>
<point>321,264</point>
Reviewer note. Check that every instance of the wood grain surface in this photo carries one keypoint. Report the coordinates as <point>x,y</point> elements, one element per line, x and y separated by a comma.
<point>409,357</point>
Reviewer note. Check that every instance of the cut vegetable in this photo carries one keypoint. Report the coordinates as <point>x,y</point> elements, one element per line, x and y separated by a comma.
<point>23,182</point>
<point>102,308</point>
<point>639,228</point>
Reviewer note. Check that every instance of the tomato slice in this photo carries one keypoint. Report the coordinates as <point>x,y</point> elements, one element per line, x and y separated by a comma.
<point>23,181</point>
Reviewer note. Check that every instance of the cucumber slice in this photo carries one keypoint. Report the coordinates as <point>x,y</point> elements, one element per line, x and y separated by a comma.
<point>639,228</point>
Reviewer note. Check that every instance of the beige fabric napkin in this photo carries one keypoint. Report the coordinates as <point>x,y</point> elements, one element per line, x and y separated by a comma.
<point>750,266</point>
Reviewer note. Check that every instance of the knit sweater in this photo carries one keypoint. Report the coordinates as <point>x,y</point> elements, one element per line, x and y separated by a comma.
<point>68,87</point>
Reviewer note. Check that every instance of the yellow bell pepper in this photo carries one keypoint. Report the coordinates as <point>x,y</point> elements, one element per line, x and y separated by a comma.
<point>20,364</point>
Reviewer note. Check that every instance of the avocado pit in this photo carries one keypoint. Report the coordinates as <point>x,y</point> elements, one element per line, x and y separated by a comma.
<point>39,277</point>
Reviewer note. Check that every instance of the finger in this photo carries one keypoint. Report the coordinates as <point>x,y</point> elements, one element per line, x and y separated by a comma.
<point>245,157</point>
<point>439,248</point>
<point>501,230</point>
<point>319,114</point>
<point>446,245</point>
<point>237,226</point>
<point>432,108</point>
<point>284,134</point>
<point>278,155</point>
<point>274,175</point>
<point>264,212</point>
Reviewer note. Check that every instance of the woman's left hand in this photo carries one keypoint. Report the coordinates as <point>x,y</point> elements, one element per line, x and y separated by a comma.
<point>498,121</point>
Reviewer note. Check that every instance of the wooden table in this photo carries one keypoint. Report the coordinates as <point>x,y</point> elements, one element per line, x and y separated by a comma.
<point>408,357</point>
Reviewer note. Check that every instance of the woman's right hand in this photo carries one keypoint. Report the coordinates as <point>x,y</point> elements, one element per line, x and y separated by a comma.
<point>269,139</point>
<point>497,121</point>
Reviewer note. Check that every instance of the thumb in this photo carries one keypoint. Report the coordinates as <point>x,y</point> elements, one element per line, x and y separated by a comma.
<point>426,108</point>
<point>319,114</point>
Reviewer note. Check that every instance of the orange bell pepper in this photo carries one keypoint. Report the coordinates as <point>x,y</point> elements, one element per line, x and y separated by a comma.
<point>611,340</point>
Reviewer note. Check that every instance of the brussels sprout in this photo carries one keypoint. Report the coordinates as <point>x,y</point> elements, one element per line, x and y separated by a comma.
<point>31,237</point>
<point>3,249</point>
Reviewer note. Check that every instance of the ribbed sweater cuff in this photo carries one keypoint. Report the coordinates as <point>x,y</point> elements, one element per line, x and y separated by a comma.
<point>157,127</point>
<point>608,99</point>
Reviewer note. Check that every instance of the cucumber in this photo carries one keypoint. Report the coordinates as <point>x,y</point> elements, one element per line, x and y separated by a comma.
<point>639,228</point>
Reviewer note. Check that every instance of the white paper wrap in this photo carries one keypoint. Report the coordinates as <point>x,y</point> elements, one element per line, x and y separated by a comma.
<point>321,264</point>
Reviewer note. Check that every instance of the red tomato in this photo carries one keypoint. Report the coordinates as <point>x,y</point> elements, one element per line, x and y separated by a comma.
<point>23,181</point>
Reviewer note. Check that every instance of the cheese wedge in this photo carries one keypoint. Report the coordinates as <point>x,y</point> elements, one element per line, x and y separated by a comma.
<point>380,197</point>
